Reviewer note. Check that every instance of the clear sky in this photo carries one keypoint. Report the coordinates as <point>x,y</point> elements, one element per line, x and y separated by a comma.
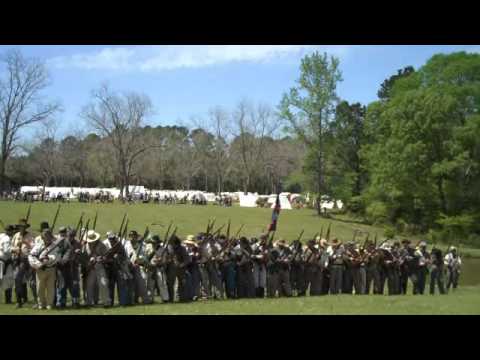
<point>186,81</point>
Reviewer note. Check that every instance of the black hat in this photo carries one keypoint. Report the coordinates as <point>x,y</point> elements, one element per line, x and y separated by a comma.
<point>10,227</point>
<point>23,223</point>
<point>133,233</point>
<point>44,225</point>
<point>156,238</point>
<point>62,229</point>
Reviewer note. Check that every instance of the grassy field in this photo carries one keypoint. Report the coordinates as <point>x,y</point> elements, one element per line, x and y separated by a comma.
<point>192,219</point>
<point>466,300</point>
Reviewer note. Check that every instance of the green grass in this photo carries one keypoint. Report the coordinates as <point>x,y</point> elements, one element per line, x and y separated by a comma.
<point>466,300</point>
<point>192,219</point>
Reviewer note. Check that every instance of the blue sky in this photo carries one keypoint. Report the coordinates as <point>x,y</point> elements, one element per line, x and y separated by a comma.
<point>186,81</point>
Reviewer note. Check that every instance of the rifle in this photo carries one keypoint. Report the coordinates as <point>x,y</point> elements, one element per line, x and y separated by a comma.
<point>168,230</point>
<point>146,233</point>
<point>55,245</point>
<point>228,229</point>
<point>56,217</point>
<point>328,232</point>
<point>209,228</point>
<point>375,240</point>
<point>124,234</point>
<point>238,232</point>
<point>321,232</point>
<point>80,223</point>
<point>28,213</point>
<point>218,230</point>
<point>122,224</point>
<point>300,236</point>
<point>95,221</point>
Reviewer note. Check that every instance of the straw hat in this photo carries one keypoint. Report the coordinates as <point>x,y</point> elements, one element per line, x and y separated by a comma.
<point>190,238</point>
<point>190,242</point>
<point>91,236</point>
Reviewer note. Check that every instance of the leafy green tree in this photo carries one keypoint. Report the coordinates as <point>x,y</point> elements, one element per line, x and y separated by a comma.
<point>308,108</point>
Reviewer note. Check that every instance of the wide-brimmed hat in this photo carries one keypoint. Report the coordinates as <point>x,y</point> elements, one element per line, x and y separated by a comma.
<point>44,225</point>
<point>190,238</point>
<point>91,236</point>
<point>422,243</point>
<point>282,242</point>
<point>111,235</point>
<point>190,242</point>
<point>452,248</point>
<point>62,229</point>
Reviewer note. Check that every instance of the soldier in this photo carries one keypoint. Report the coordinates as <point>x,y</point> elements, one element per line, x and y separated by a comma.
<point>347,278</point>
<point>297,269</point>
<point>96,275</point>
<point>372,269</point>
<point>313,275</point>
<point>337,266</point>
<point>423,258</point>
<point>436,275</point>
<point>159,262</point>
<point>213,266</point>
<point>228,268</point>
<point>64,251</point>
<point>273,269</point>
<point>392,269</point>
<point>182,261</point>
<point>325,251</point>
<point>406,265</point>
<point>6,265</point>
<point>453,262</point>
<point>285,257</point>
<point>194,269</point>
<point>43,258</point>
<point>358,270</point>
<point>72,273</point>
<point>138,260</point>
<point>116,267</point>
<point>259,257</point>
<point>245,284</point>
<point>22,244</point>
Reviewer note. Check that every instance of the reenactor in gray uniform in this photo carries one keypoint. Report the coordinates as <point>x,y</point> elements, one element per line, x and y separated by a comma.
<point>273,267</point>
<point>116,266</point>
<point>372,260</point>
<point>407,265</point>
<point>203,252</point>
<point>358,270</point>
<point>6,265</point>
<point>347,279</point>
<point>423,258</point>
<point>194,268</point>
<point>245,282</point>
<point>159,262</point>
<point>63,267</point>
<point>285,257</point>
<point>453,262</point>
<point>22,244</point>
<point>96,276</point>
<point>43,258</point>
<point>213,267</point>
<point>260,258</point>
<point>313,274</point>
<point>436,275</point>
<point>337,263</point>
<point>392,269</point>
<point>138,260</point>
<point>297,269</point>
<point>184,280</point>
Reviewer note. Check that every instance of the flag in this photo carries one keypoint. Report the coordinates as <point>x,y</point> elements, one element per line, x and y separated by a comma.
<point>275,214</point>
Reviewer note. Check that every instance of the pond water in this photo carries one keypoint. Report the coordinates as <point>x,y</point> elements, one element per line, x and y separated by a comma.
<point>470,274</point>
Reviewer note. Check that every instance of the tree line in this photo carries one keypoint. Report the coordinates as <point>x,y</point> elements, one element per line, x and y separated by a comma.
<point>410,159</point>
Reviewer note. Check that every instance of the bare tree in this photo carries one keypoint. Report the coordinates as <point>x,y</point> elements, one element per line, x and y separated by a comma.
<point>119,117</point>
<point>20,102</point>
<point>252,125</point>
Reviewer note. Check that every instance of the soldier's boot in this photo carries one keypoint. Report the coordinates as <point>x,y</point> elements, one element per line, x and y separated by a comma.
<point>76,303</point>
<point>8,296</point>
<point>25,292</point>
<point>262,292</point>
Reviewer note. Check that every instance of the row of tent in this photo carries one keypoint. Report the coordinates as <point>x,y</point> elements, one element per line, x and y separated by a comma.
<point>245,200</point>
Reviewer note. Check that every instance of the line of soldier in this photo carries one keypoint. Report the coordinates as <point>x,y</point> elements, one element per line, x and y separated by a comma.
<point>135,268</point>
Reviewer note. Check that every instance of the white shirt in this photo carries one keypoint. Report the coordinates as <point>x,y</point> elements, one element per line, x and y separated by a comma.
<point>5,247</point>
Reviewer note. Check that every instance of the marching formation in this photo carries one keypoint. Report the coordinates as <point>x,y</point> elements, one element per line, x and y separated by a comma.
<point>128,268</point>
